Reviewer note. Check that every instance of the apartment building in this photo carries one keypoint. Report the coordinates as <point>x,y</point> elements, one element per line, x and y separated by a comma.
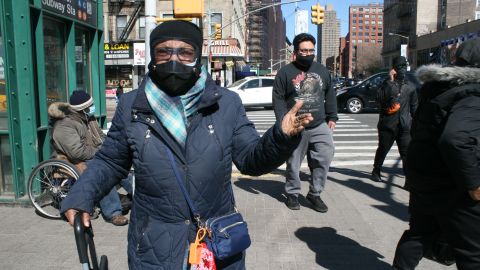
<point>328,35</point>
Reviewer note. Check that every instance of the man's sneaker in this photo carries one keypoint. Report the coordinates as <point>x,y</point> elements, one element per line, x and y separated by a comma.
<point>317,203</point>
<point>292,202</point>
<point>376,176</point>
<point>119,220</point>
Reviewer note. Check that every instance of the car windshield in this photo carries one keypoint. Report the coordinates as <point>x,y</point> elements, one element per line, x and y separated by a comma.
<point>237,83</point>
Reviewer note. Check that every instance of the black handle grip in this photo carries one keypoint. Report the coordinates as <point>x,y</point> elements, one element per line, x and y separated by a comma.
<point>85,244</point>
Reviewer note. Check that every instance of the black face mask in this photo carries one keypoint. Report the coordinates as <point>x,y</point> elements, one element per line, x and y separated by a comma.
<point>401,72</point>
<point>304,61</point>
<point>173,78</point>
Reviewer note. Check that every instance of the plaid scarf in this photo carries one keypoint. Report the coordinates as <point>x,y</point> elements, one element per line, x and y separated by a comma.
<point>173,112</point>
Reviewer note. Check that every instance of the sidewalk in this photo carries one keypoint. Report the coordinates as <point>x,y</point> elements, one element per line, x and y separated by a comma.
<point>360,230</point>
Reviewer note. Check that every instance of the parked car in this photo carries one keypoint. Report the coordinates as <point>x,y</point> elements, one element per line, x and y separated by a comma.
<point>363,95</point>
<point>254,91</point>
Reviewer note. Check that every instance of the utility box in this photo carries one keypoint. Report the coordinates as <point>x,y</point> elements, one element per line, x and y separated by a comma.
<point>188,8</point>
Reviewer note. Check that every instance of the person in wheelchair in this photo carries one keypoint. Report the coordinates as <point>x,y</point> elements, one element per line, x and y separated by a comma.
<point>76,137</point>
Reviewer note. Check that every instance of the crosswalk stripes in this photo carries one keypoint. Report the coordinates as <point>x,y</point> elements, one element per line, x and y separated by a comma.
<point>355,142</point>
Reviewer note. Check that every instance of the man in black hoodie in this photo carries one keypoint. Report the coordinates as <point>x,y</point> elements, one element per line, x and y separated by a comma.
<point>443,164</point>
<point>309,81</point>
<point>398,100</point>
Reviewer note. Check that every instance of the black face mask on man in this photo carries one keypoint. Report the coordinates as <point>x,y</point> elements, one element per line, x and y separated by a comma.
<point>304,61</point>
<point>401,72</point>
<point>174,78</point>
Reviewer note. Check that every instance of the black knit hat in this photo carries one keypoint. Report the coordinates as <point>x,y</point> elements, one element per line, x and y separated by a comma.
<point>177,30</point>
<point>80,100</point>
<point>468,53</point>
<point>399,61</point>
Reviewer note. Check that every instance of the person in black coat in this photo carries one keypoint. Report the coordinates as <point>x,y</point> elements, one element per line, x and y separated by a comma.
<point>398,100</point>
<point>443,164</point>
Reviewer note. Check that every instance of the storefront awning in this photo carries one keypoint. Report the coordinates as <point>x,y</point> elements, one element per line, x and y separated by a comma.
<point>223,48</point>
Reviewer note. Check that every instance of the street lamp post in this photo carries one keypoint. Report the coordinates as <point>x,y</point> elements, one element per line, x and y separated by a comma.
<point>408,42</point>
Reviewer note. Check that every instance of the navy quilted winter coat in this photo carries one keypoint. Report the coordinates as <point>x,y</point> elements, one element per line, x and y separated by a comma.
<point>160,220</point>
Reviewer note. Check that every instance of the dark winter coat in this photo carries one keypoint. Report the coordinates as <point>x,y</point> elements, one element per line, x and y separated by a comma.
<point>161,223</point>
<point>444,153</point>
<point>74,134</point>
<point>408,104</point>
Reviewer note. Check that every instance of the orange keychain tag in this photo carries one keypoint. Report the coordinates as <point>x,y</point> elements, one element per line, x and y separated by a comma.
<point>195,251</point>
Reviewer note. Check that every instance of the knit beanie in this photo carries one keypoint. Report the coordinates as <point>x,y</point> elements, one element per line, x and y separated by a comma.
<point>177,30</point>
<point>80,100</point>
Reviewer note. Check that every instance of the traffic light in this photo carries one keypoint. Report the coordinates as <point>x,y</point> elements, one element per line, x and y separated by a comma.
<point>188,8</point>
<point>218,31</point>
<point>318,13</point>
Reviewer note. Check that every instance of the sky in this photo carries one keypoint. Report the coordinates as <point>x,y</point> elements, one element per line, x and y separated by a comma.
<point>341,7</point>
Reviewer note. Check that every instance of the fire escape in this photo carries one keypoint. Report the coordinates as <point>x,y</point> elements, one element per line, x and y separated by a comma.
<point>117,5</point>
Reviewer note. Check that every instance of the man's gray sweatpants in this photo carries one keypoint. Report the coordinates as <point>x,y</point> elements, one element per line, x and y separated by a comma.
<point>317,145</point>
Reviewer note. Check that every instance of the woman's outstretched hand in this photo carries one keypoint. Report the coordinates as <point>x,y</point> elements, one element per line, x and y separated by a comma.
<point>293,124</point>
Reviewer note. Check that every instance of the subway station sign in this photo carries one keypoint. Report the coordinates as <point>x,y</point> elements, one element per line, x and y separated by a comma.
<point>80,10</point>
<point>123,50</point>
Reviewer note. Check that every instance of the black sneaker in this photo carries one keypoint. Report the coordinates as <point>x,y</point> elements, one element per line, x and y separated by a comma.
<point>317,203</point>
<point>376,176</point>
<point>292,202</point>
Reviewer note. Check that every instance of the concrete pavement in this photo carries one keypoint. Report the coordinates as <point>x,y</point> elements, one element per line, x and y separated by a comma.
<point>360,230</point>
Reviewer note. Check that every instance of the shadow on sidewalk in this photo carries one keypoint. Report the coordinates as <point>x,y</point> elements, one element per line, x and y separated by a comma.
<point>381,194</point>
<point>337,252</point>
<point>273,188</point>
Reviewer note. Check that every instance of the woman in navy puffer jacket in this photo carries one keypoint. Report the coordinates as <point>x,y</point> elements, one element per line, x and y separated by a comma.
<point>180,107</point>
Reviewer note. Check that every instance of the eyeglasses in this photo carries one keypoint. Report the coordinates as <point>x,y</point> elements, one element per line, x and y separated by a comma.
<point>306,51</point>
<point>183,54</point>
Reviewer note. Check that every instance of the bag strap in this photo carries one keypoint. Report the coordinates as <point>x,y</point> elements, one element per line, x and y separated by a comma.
<point>193,210</point>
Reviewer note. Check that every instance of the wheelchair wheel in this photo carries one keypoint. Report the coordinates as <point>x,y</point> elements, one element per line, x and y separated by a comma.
<point>48,184</point>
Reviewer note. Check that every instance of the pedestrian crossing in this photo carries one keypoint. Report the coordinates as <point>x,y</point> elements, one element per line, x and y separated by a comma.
<point>355,142</point>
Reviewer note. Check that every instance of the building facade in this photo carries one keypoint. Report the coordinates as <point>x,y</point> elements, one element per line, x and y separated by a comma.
<point>365,39</point>
<point>48,49</point>
<point>328,35</point>
<point>407,20</point>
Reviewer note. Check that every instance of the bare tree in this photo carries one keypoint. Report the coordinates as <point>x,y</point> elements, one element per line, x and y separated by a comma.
<point>369,59</point>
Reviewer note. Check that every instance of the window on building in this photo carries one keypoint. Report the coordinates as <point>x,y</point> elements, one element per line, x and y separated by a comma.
<point>360,21</point>
<point>354,21</point>
<point>366,10</point>
<point>478,3</point>
<point>372,41</point>
<point>354,15</point>
<point>354,41</point>
<point>367,22</point>
<point>360,15</point>
<point>360,9</point>
<point>367,40</point>
<point>367,16</point>
<point>360,41</point>
<point>141,27</point>
<point>82,59</point>
<point>360,27</point>
<point>477,15</point>
<point>55,66</point>
<point>216,18</point>
<point>379,22</point>
<point>380,16</point>
<point>354,34</point>
<point>374,16</point>
<point>121,24</point>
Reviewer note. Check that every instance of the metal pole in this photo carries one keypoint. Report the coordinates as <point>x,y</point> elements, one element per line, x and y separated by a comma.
<point>150,23</point>
<point>209,31</point>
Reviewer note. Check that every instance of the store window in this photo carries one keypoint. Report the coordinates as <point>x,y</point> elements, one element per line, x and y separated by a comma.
<point>3,91</point>
<point>6,177</point>
<point>55,66</point>
<point>82,59</point>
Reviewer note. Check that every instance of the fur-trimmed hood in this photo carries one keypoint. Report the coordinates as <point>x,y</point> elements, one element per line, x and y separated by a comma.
<point>451,74</point>
<point>58,110</point>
